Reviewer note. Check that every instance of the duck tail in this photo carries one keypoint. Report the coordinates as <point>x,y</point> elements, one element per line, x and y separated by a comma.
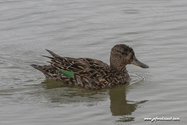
<point>37,67</point>
<point>44,69</point>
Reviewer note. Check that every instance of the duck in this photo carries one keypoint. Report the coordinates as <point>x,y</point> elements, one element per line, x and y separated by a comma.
<point>91,73</point>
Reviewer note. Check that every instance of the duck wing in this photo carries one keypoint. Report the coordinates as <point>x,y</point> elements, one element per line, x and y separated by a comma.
<point>75,64</point>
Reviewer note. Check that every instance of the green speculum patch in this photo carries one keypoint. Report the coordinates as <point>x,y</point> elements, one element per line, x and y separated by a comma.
<point>67,73</point>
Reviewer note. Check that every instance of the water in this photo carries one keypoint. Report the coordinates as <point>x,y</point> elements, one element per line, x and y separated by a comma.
<point>156,30</point>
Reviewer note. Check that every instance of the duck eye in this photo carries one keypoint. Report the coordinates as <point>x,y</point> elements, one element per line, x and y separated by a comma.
<point>124,53</point>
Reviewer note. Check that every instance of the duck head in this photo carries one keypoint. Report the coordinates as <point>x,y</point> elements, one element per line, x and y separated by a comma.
<point>121,55</point>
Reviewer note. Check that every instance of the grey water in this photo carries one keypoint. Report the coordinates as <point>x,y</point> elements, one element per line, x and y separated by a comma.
<point>155,29</point>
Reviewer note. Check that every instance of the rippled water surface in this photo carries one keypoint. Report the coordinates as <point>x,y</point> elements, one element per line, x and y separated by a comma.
<point>156,30</point>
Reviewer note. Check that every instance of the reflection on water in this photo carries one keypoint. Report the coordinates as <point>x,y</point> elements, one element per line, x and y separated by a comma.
<point>62,93</point>
<point>49,84</point>
<point>119,106</point>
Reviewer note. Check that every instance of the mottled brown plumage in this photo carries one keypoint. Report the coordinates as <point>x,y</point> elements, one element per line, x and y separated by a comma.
<point>91,73</point>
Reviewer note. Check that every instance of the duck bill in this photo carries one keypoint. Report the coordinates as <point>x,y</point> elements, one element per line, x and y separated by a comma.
<point>138,63</point>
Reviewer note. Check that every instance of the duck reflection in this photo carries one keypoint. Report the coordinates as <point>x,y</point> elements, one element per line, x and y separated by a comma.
<point>119,105</point>
<point>59,92</point>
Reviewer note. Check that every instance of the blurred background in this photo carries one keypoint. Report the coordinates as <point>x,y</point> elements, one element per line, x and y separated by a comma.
<point>155,29</point>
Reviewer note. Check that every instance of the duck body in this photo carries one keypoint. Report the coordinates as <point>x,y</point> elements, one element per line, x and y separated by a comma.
<point>91,73</point>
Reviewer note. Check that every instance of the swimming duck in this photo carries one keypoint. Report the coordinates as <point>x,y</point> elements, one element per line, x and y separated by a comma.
<point>91,73</point>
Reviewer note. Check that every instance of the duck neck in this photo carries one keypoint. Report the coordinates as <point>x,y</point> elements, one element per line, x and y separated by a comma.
<point>119,68</point>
